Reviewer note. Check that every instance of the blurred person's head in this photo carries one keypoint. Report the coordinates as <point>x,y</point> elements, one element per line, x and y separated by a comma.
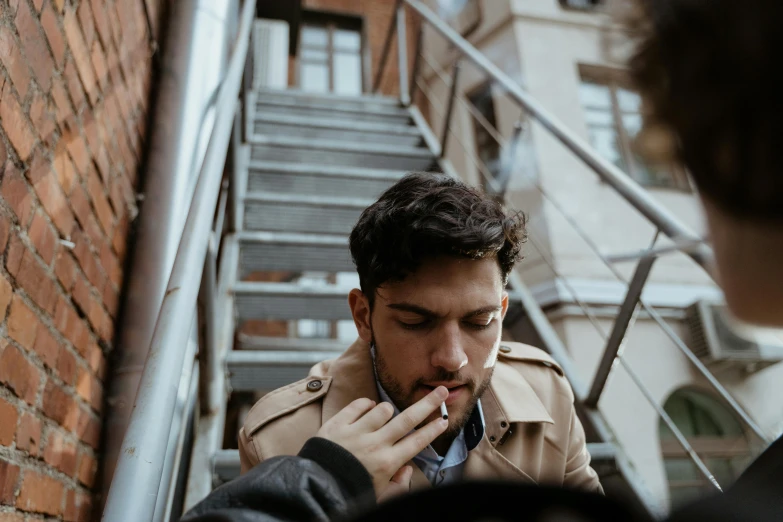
<point>708,74</point>
<point>433,257</point>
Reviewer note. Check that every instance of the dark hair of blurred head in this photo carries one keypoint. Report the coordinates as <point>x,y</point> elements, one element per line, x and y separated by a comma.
<point>708,71</point>
<point>428,215</point>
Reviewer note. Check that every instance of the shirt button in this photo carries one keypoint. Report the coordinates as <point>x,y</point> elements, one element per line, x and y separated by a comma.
<point>505,349</point>
<point>314,385</point>
<point>443,473</point>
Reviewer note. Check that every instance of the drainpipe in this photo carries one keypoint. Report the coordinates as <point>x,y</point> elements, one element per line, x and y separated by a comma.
<point>195,55</point>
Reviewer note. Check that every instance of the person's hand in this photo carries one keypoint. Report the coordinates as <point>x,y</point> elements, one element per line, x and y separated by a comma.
<point>384,446</point>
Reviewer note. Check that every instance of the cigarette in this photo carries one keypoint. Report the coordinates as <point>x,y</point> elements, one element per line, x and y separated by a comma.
<point>443,411</point>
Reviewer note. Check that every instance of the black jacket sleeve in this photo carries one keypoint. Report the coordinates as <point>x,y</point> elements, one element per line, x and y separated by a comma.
<point>324,481</point>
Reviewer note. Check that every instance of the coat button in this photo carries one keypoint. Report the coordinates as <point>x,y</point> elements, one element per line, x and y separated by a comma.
<point>492,438</point>
<point>503,424</point>
<point>505,349</point>
<point>314,385</point>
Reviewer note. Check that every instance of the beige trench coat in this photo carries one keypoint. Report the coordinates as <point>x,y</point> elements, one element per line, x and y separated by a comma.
<point>532,432</point>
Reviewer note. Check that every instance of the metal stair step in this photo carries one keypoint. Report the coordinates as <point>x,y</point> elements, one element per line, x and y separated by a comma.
<point>276,123</point>
<point>332,152</point>
<point>268,370</point>
<point>290,301</point>
<point>297,95</point>
<point>270,251</point>
<point>258,342</point>
<point>298,213</point>
<point>319,180</point>
<point>346,109</point>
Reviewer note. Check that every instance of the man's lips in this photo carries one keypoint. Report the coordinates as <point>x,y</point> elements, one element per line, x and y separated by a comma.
<point>455,390</point>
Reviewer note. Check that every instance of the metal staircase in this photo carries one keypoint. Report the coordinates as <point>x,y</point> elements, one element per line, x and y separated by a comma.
<point>301,168</point>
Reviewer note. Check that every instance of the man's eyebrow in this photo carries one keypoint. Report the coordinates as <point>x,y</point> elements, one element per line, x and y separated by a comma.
<point>420,310</point>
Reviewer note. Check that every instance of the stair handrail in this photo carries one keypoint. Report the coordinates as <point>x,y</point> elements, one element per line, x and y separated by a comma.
<point>626,187</point>
<point>135,487</point>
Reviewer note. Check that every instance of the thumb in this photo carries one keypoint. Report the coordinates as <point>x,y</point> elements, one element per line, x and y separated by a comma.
<point>399,484</point>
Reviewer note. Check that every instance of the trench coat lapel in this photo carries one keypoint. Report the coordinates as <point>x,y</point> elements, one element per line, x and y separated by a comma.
<point>352,378</point>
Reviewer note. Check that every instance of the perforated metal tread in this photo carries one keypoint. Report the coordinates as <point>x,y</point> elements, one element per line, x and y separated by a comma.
<point>271,251</point>
<point>301,213</point>
<point>290,301</point>
<point>269,370</point>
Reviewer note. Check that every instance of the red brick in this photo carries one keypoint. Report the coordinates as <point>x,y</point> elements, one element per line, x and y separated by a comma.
<point>17,195</point>
<point>72,327</point>
<point>81,204</point>
<point>88,25</point>
<point>65,269</point>
<point>23,324</point>
<point>66,366</point>
<point>14,63</point>
<point>99,64</point>
<point>81,295</point>
<point>87,260</point>
<point>55,204</point>
<point>43,117</point>
<point>116,197</point>
<point>75,88</point>
<point>12,516</point>
<point>88,468</point>
<point>15,124</point>
<point>61,453</point>
<point>64,169</point>
<point>114,23</point>
<point>89,429</point>
<point>6,291</point>
<point>8,418</point>
<point>78,150</point>
<point>40,494</point>
<point>101,203</point>
<point>92,132</point>
<point>38,4</point>
<point>97,361</point>
<point>39,167</point>
<point>47,347</point>
<point>53,34</point>
<point>89,388</point>
<point>21,376</point>
<point>101,21</point>
<point>9,477</point>
<point>120,240</point>
<point>59,5</point>
<point>78,506</point>
<point>28,435</point>
<point>31,276</point>
<point>60,407</point>
<point>61,102</point>
<point>81,53</point>
<point>3,157</point>
<point>43,237</point>
<point>35,49</point>
<point>5,230</point>
<point>111,299</point>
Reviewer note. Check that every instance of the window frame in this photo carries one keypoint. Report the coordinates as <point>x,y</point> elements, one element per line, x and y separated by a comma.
<point>332,22</point>
<point>614,80</point>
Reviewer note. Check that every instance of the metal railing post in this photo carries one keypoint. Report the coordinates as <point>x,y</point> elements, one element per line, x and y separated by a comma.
<point>510,156</point>
<point>385,53</point>
<point>416,63</point>
<point>208,360</point>
<point>621,323</point>
<point>402,55</point>
<point>444,140</point>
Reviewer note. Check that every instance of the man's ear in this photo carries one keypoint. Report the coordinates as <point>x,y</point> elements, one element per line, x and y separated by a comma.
<point>504,305</point>
<point>360,309</point>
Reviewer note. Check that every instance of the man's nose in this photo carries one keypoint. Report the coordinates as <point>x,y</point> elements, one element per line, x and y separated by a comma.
<point>449,352</point>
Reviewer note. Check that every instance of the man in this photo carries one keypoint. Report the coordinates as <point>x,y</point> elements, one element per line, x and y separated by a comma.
<point>433,257</point>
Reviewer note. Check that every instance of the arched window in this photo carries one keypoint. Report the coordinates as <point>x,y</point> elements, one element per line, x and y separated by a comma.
<point>714,433</point>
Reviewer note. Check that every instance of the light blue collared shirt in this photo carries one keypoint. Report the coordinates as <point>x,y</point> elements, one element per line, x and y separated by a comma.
<point>449,468</point>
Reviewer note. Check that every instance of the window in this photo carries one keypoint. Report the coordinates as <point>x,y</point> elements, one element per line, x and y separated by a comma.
<point>330,56</point>
<point>487,148</point>
<point>716,436</point>
<point>612,113</point>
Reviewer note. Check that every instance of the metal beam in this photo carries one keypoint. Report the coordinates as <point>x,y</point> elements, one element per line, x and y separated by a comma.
<point>402,56</point>
<point>444,139</point>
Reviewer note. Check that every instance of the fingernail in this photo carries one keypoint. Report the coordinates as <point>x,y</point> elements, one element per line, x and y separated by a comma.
<point>443,423</point>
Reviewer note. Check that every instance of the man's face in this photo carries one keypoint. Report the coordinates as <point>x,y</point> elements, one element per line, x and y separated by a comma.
<point>440,326</point>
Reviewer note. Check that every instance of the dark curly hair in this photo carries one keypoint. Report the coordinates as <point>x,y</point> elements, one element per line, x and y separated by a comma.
<point>425,215</point>
<point>708,73</point>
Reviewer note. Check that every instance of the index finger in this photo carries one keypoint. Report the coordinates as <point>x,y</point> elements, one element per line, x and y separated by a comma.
<point>406,421</point>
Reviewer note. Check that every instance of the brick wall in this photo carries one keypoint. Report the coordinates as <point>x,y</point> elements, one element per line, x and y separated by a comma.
<point>377,14</point>
<point>74,82</point>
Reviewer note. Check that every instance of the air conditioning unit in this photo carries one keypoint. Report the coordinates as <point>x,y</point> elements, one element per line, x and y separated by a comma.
<point>723,343</point>
<point>270,46</point>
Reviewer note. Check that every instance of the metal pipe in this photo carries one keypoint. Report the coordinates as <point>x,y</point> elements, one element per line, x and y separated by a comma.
<point>180,111</point>
<point>386,50</point>
<point>402,55</point>
<point>134,489</point>
<point>208,361</point>
<point>416,62</point>
<point>631,191</point>
<point>621,323</point>
<point>509,159</point>
<point>444,140</point>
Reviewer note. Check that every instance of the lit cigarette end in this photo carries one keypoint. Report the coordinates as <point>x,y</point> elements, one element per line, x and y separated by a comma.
<point>443,411</point>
